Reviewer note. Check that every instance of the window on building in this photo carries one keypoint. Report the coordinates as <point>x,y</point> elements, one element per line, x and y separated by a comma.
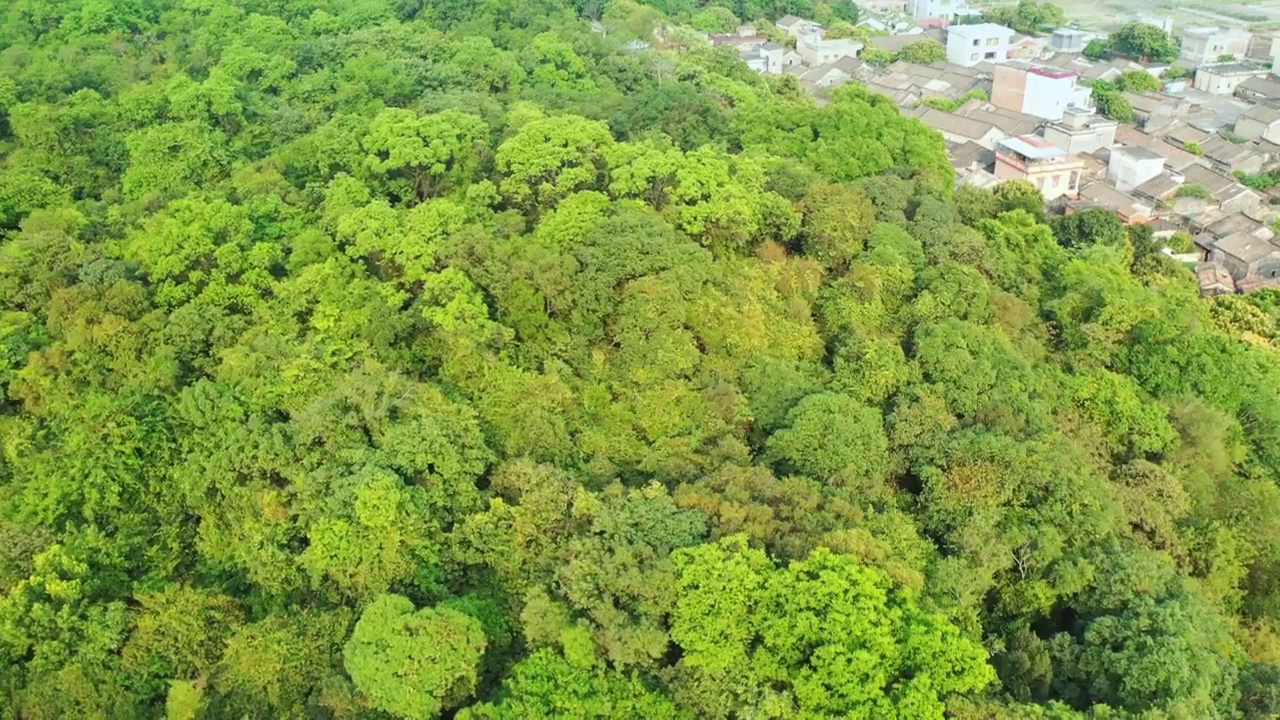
<point>975,42</point>
<point>990,56</point>
<point>993,41</point>
<point>974,56</point>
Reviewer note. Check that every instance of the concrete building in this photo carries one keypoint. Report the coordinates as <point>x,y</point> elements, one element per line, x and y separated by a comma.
<point>1129,209</point>
<point>1081,131</point>
<point>939,9</point>
<point>769,57</point>
<point>1164,22</point>
<point>1245,256</point>
<point>1066,40</point>
<point>817,50</point>
<point>958,129</point>
<point>969,45</point>
<point>1054,173</point>
<point>1259,121</point>
<point>798,27</point>
<point>1224,78</point>
<point>1258,89</point>
<point>1132,166</point>
<point>1037,90</point>
<point>885,7</point>
<point>1025,47</point>
<point>1206,44</point>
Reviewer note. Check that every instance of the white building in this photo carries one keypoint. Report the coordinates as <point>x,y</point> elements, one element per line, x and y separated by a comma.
<point>1131,165</point>
<point>815,50</point>
<point>969,45</point>
<point>1224,78</point>
<point>1207,44</point>
<point>1045,92</point>
<point>941,9</point>
<point>798,27</point>
<point>770,58</point>
<point>1081,131</point>
<point>1164,22</point>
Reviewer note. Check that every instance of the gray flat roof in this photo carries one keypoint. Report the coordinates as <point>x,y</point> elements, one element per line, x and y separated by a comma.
<point>1246,247</point>
<point>1137,152</point>
<point>1032,147</point>
<point>978,29</point>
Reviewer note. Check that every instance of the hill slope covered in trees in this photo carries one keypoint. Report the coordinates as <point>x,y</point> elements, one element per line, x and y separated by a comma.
<point>393,358</point>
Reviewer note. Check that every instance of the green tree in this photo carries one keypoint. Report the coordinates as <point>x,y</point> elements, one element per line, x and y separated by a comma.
<point>1096,49</point>
<point>1138,81</point>
<point>923,52</point>
<point>1143,42</point>
<point>756,637</point>
<point>414,663</point>
<point>424,156</point>
<point>548,159</point>
<point>832,437</point>
<point>715,19</point>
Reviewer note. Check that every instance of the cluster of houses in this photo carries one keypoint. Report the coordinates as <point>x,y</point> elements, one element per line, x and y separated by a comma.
<point>1021,108</point>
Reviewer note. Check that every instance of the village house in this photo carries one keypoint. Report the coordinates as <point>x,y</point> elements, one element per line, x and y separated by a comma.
<point>1214,280</point>
<point>958,129</point>
<point>1131,166</point>
<point>1036,90</point>
<point>1162,188</point>
<point>1206,44</point>
<point>938,9</point>
<point>1066,40</point>
<point>770,58</point>
<point>884,7</point>
<point>969,45</point>
<point>895,43</point>
<point>1012,122</point>
<point>1259,121</point>
<point>1130,210</point>
<point>1224,78</point>
<point>1226,194</point>
<point>908,83</point>
<point>1046,166</point>
<point>797,27</point>
<point>1025,47</point>
<point>1263,47</point>
<point>1258,89</point>
<point>1246,256</point>
<point>970,156</point>
<point>1229,158</point>
<point>1081,131</point>
<point>1147,106</point>
<point>1164,22</point>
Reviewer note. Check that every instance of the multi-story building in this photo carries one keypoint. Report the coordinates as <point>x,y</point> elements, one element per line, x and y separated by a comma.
<point>969,45</point>
<point>1081,131</point>
<point>941,9</point>
<point>885,7</point>
<point>1164,22</point>
<point>1045,92</point>
<point>1130,165</point>
<point>1224,78</point>
<point>1066,40</point>
<point>1207,44</point>
<point>817,50</point>
<point>1046,166</point>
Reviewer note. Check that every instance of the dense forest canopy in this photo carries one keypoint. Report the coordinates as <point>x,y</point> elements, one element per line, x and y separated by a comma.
<point>423,358</point>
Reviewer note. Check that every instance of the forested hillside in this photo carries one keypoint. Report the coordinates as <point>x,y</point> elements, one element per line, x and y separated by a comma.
<point>446,358</point>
